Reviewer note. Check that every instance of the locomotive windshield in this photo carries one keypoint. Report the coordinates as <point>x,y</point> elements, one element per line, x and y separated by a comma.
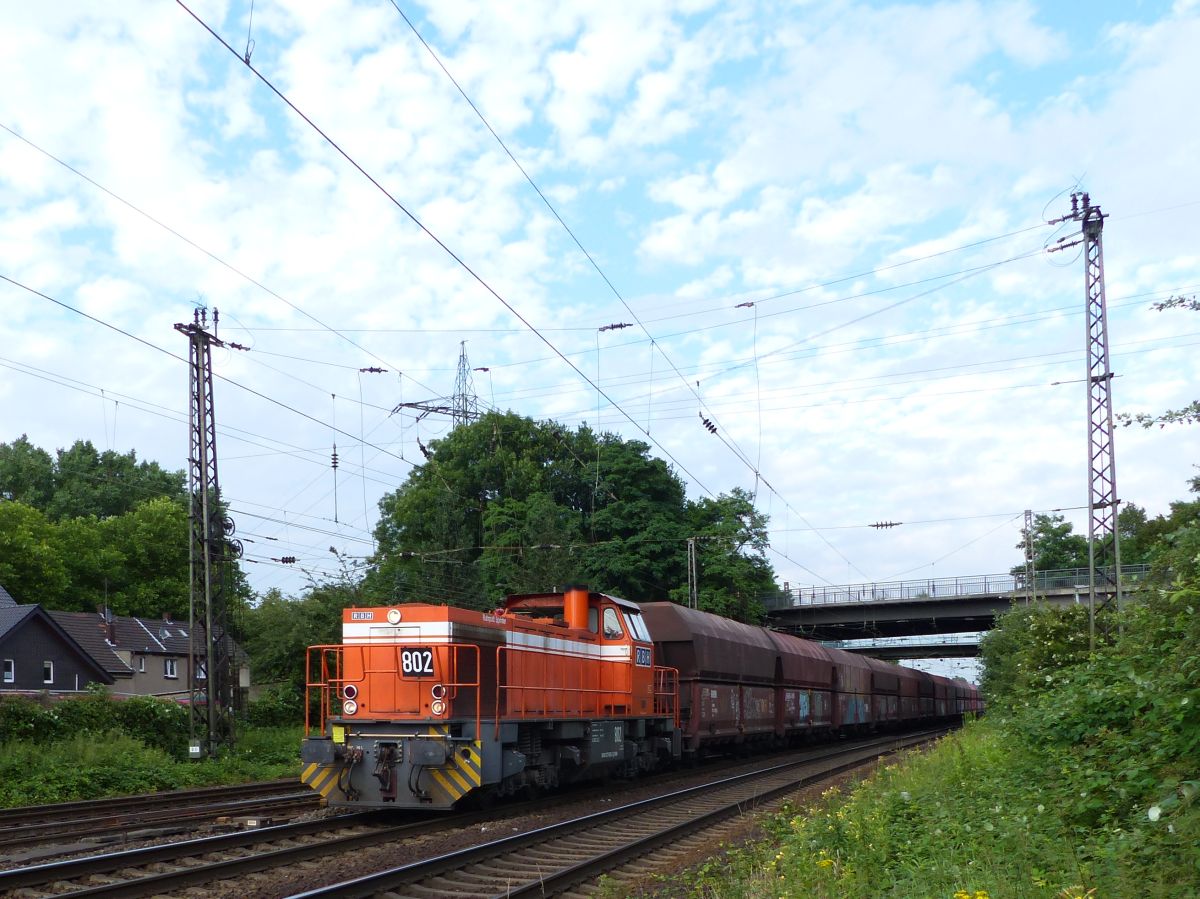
<point>637,626</point>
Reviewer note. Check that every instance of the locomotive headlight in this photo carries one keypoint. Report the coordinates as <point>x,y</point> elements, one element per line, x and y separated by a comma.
<point>349,706</point>
<point>437,707</point>
<point>393,616</point>
<point>438,691</point>
<point>349,691</point>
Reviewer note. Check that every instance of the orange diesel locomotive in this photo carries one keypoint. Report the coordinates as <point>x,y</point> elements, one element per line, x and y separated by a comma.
<point>421,705</point>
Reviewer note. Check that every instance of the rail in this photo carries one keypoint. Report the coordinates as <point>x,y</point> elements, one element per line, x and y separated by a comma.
<point>945,588</point>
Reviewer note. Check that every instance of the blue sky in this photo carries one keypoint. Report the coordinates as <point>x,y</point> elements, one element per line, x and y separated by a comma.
<point>873,176</point>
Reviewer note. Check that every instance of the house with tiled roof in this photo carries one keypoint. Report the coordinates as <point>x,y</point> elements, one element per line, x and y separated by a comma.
<point>38,654</point>
<point>134,656</point>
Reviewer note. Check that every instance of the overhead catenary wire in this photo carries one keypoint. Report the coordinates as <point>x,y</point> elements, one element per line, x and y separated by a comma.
<point>479,279</point>
<point>166,352</point>
<point>183,237</point>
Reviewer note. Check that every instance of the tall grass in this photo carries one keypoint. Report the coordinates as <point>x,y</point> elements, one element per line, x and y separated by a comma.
<point>94,766</point>
<point>1082,782</point>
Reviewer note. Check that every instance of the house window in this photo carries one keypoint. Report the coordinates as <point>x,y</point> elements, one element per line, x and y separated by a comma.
<point>141,664</point>
<point>47,672</point>
<point>170,668</point>
<point>10,671</point>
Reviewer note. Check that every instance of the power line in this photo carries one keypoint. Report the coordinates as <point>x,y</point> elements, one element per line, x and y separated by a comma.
<point>421,225</point>
<point>211,255</point>
<point>165,352</point>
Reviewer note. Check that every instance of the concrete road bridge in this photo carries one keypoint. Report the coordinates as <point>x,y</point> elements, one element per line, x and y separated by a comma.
<point>924,608</point>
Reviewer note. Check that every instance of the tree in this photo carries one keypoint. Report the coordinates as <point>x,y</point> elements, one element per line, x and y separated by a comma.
<point>87,482</point>
<point>153,540</point>
<point>279,629</point>
<point>98,529</point>
<point>506,504</point>
<point>1054,545</point>
<point>1174,555</point>
<point>529,544</point>
<point>95,565</point>
<point>31,562</point>
<point>733,573</point>
<point>26,473</point>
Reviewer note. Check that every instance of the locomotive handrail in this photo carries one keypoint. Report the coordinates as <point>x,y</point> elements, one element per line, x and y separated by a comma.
<point>322,686</point>
<point>505,690</point>
<point>666,685</point>
<point>328,687</point>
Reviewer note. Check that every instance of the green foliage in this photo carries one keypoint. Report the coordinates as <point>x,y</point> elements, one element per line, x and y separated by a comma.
<point>278,706</point>
<point>152,540</point>
<point>1028,647</point>
<point>91,766</point>
<point>82,766</point>
<point>91,483</point>
<point>1175,557</point>
<point>87,528</point>
<point>31,565</point>
<point>1055,545</point>
<point>22,718</point>
<point>26,473</point>
<point>731,544</point>
<point>159,723</point>
<point>279,630</point>
<point>529,544</point>
<point>506,505</point>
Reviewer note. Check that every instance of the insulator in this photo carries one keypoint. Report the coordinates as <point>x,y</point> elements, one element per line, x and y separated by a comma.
<point>335,459</point>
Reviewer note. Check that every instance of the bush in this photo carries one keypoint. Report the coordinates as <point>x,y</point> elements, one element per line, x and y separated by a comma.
<point>93,712</point>
<point>22,718</point>
<point>279,706</point>
<point>81,767</point>
<point>93,766</point>
<point>159,723</point>
<point>1084,781</point>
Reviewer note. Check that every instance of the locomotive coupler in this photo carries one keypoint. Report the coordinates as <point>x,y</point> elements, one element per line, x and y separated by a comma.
<point>386,758</point>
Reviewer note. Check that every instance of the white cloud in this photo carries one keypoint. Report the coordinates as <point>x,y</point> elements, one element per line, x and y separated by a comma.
<point>704,155</point>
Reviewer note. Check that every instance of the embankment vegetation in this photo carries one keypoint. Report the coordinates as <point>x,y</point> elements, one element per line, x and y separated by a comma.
<point>1081,781</point>
<point>94,746</point>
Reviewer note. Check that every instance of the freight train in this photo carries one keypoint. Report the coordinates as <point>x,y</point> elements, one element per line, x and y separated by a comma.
<point>426,707</point>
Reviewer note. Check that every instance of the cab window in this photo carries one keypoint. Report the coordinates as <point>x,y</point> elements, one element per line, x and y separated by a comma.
<point>612,624</point>
<point>637,626</point>
<point>594,620</point>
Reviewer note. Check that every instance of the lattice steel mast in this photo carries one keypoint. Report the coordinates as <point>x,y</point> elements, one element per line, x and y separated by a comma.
<point>210,662</point>
<point>1104,545</point>
<point>466,403</point>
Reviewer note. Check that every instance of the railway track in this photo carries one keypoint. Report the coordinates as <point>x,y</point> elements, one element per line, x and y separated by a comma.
<point>167,869</point>
<point>555,859</point>
<point>107,820</point>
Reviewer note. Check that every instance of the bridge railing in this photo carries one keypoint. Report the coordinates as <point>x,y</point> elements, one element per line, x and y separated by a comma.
<point>970,639</point>
<point>945,588</point>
